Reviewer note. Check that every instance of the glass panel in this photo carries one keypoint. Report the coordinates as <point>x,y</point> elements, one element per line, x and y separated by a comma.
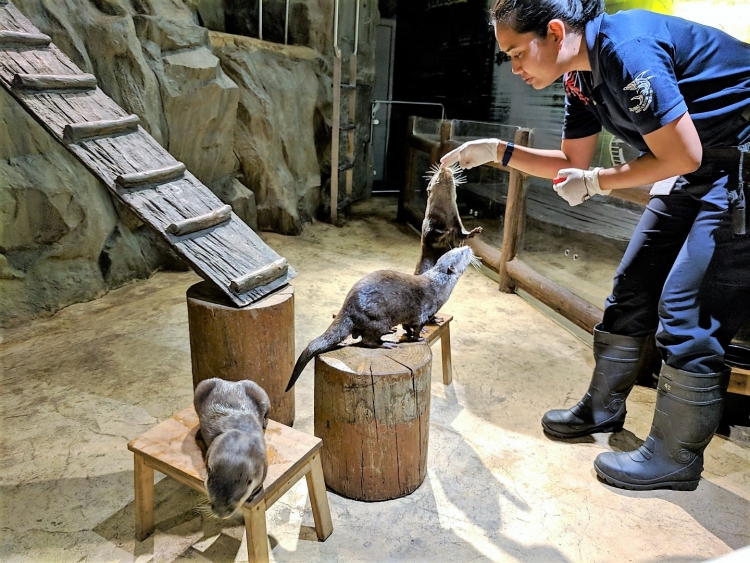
<point>579,247</point>
<point>427,127</point>
<point>481,198</point>
<point>419,181</point>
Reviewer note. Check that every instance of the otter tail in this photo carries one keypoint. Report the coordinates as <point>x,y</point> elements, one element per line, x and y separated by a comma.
<point>340,328</point>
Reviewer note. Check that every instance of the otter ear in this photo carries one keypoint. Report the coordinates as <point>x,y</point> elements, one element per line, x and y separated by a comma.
<point>451,269</point>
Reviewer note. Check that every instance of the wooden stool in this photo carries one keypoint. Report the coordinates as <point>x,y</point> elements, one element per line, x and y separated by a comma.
<point>171,448</point>
<point>372,410</point>
<point>254,342</point>
<point>441,330</point>
<point>432,332</point>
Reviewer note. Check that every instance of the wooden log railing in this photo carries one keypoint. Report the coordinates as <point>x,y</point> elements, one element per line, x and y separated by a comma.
<point>514,274</point>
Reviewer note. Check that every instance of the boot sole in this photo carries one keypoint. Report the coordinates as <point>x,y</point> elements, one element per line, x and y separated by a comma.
<point>674,485</point>
<point>616,427</point>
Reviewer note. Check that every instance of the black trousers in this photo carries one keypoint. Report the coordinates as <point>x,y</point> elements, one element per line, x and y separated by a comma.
<point>684,275</point>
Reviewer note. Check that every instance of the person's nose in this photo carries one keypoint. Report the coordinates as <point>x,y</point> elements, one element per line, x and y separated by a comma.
<point>515,66</point>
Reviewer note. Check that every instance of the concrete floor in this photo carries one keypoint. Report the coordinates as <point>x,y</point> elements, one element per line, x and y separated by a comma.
<point>78,386</point>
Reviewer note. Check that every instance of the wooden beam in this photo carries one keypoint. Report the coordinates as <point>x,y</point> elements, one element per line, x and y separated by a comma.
<point>491,256</point>
<point>156,176</point>
<point>23,39</point>
<point>335,135</point>
<point>259,277</point>
<point>578,311</point>
<point>76,132</point>
<point>201,222</point>
<point>41,82</point>
<point>739,381</point>
<point>638,195</point>
<point>515,216</point>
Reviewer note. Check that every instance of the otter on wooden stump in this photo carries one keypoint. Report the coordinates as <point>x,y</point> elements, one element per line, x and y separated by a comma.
<point>386,298</point>
<point>372,410</point>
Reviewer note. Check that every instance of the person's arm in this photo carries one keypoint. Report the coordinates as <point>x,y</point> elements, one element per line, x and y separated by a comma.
<point>544,163</point>
<point>675,149</point>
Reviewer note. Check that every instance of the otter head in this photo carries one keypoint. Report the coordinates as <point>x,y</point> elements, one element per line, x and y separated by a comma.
<point>454,262</point>
<point>443,180</point>
<point>236,467</point>
<point>443,276</point>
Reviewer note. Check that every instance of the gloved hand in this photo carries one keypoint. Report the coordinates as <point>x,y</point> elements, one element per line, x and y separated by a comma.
<point>472,154</point>
<point>578,185</point>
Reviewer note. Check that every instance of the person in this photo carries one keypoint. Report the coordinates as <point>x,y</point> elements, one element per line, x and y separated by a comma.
<point>679,92</point>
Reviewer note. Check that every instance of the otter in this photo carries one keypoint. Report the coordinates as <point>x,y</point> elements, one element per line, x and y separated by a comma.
<point>386,298</point>
<point>232,416</point>
<point>442,228</point>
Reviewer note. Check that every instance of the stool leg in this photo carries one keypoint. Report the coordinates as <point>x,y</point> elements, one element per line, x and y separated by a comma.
<point>144,498</point>
<point>445,349</point>
<point>316,488</point>
<point>255,530</point>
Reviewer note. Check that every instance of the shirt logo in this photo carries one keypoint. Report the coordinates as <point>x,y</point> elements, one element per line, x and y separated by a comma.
<point>642,85</point>
<point>571,88</point>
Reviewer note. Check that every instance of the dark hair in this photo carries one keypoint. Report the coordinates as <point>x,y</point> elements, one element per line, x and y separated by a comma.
<point>523,16</point>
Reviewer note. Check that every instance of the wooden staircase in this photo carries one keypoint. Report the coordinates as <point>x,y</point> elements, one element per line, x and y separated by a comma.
<point>137,170</point>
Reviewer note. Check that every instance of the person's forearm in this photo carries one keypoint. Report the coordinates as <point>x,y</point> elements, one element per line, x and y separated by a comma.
<point>542,163</point>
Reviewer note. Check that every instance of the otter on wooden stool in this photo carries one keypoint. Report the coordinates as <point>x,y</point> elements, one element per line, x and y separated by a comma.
<point>171,448</point>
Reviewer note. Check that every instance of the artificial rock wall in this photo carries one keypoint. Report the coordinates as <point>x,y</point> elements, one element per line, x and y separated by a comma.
<point>251,119</point>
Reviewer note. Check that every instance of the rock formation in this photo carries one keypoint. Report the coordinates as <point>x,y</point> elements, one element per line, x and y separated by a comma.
<point>251,119</point>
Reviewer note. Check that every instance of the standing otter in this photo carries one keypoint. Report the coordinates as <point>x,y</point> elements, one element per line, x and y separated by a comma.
<point>386,298</point>
<point>442,228</point>
<point>232,416</point>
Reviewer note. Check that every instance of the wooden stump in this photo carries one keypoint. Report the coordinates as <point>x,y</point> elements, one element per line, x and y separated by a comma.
<point>254,342</point>
<point>372,410</point>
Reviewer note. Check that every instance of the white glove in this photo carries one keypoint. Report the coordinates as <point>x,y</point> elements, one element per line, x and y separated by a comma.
<point>579,185</point>
<point>472,154</point>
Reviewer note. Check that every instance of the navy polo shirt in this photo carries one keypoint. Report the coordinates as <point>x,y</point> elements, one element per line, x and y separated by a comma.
<point>648,69</point>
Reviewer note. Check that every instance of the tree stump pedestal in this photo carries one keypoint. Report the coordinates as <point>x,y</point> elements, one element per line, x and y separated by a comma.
<point>372,410</point>
<point>254,342</point>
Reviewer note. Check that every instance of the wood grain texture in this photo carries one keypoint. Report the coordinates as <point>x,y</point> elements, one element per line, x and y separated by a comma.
<point>76,132</point>
<point>219,254</point>
<point>259,277</point>
<point>253,342</point>
<point>23,39</point>
<point>372,410</point>
<point>201,222</point>
<point>42,82</point>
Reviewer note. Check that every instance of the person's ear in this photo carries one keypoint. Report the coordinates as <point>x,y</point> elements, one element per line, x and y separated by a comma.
<point>556,31</point>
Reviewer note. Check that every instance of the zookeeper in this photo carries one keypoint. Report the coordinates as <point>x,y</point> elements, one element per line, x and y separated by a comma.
<point>679,92</point>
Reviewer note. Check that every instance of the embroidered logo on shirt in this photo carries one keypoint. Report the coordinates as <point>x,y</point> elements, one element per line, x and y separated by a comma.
<point>571,88</point>
<point>642,85</point>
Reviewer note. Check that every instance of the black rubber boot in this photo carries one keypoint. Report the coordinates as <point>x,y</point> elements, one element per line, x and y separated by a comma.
<point>688,411</point>
<point>619,360</point>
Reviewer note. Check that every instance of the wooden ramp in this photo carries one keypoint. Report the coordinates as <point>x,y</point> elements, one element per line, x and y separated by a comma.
<point>137,170</point>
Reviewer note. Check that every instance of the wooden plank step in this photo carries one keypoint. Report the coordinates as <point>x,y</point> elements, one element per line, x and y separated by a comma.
<point>150,177</point>
<point>345,86</point>
<point>259,277</point>
<point>77,132</point>
<point>42,82</point>
<point>201,222</point>
<point>23,39</point>
<point>348,127</point>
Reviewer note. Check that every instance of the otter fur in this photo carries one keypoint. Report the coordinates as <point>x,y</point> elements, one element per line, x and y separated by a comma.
<point>232,416</point>
<point>386,298</point>
<point>442,228</point>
